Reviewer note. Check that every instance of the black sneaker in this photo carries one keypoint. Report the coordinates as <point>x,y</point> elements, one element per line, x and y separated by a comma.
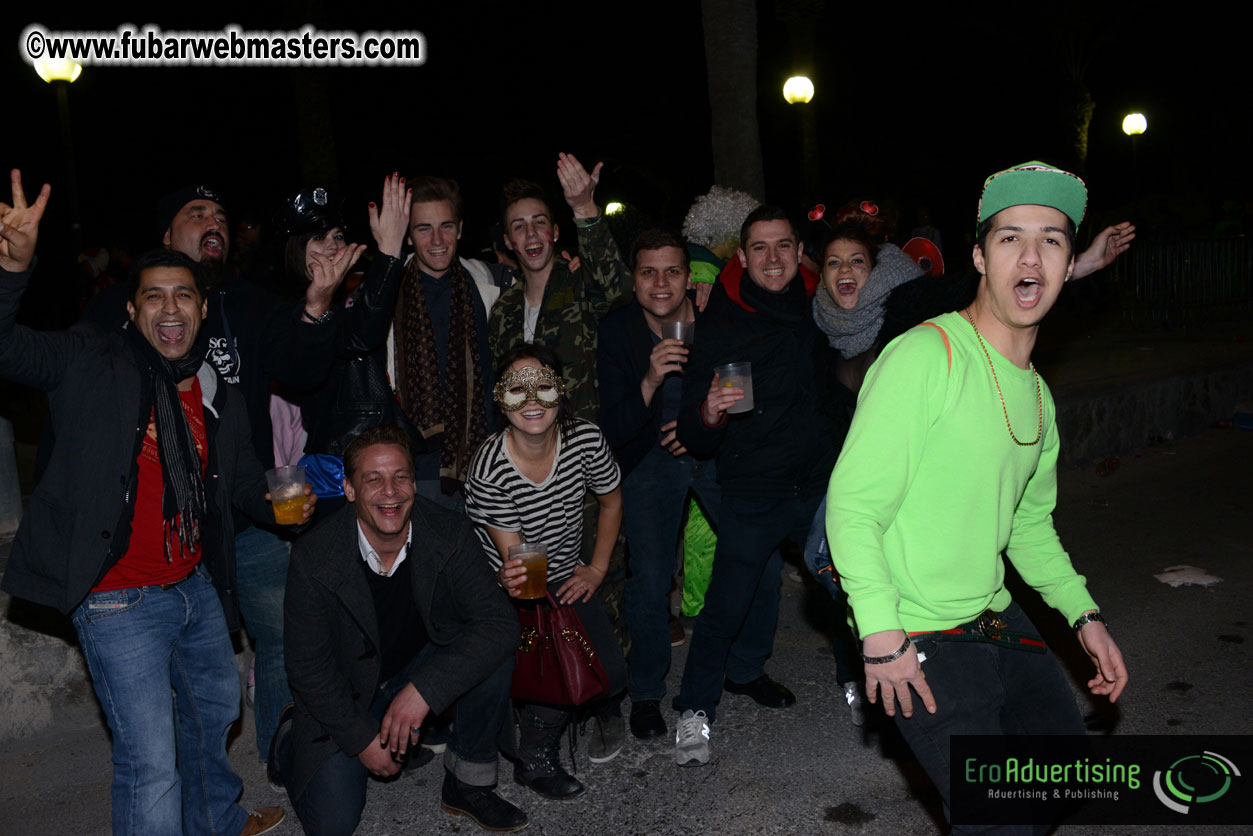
<point>488,810</point>
<point>646,720</point>
<point>277,743</point>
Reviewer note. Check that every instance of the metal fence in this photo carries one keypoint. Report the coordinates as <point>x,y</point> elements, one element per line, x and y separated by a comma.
<point>1186,282</point>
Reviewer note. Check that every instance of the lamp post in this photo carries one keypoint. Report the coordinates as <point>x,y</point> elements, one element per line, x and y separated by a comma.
<point>799,90</point>
<point>61,73</point>
<point>1134,124</point>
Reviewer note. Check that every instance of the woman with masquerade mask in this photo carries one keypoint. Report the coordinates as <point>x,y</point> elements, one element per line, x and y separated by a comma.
<point>527,484</point>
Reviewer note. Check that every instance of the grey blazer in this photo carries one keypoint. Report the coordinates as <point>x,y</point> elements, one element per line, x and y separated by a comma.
<point>331,630</point>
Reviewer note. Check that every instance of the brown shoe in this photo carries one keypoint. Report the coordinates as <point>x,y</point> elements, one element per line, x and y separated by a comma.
<point>263,820</point>
<point>677,634</point>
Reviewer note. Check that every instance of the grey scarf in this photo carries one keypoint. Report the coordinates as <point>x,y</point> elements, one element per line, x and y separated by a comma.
<point>853,332</point>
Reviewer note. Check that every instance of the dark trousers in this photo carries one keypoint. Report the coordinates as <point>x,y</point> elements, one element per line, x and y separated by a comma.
<point>742,603</point>
<point>334,798</point>
<point>984,688</point>
<point>654,497</point>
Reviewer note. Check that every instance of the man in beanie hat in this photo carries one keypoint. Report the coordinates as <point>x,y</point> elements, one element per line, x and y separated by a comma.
<point>130,534</point>
<point>950,461</point>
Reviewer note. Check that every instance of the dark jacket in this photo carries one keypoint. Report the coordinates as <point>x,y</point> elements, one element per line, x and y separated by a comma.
<point>253,337</point>
<point>356,393</point>
<point>782,448</point>
<point>625,345</point>
<point>331,629</point>
<point>70,534</point>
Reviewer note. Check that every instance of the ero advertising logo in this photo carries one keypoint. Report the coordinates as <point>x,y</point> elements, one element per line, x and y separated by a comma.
<point>1194,780</point>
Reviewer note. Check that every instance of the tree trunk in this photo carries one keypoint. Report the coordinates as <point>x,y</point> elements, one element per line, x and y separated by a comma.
<point>731,62</point>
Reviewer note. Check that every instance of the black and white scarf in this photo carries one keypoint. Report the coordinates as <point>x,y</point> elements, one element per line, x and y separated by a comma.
<point>183,506</point>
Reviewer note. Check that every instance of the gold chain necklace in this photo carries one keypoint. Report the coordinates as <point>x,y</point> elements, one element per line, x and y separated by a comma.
<point>1039,396</point>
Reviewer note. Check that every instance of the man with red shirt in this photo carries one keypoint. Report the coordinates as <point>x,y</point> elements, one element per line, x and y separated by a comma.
<point>129,530</point>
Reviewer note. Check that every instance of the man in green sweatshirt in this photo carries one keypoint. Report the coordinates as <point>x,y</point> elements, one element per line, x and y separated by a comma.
<point>952,460</point>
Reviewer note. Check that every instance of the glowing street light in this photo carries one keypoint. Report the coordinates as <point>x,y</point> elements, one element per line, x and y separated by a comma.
<point>614,208</point>
<point>1134,124</point>
<point>61,73</point>
<point>798,90</point>
<point>58,69</point>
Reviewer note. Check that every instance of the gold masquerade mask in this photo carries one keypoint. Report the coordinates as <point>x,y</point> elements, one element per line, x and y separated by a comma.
<point>518,386</point>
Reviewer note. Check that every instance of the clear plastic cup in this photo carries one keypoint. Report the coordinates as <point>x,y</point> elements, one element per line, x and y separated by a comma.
<point>737,376</point>
<point>287,493</point>
<point>534,557</point>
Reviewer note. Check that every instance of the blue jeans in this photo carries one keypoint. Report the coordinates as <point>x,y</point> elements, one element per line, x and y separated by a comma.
<point>261,559</point>
<point>848,666</point>
<point>334,798</point>
<point>170,770</point>
<point>742,603</point>
<point>984,688</point>
<point>654,497</point>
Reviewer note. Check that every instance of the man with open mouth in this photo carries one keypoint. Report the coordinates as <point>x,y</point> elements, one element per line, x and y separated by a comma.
<point>950,461</point>
<point>251,338</point>
<point>130,529</point>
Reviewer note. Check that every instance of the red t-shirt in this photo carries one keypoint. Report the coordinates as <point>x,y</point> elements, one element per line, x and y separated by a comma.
<point>144,563</point>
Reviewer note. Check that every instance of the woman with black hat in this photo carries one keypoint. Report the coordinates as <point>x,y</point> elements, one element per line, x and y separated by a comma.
<point>356,394</point>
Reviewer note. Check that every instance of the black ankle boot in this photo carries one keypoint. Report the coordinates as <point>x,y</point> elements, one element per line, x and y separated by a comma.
<point>489,810</point>
<point>539,762</point>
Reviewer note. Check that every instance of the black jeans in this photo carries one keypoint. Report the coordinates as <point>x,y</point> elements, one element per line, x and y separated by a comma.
<point>985,688</point>
<point>742,604</point>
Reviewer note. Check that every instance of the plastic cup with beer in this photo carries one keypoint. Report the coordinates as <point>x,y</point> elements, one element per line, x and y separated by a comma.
<point>737,376</point>
<point>287,493</point>
<point>534,557</point>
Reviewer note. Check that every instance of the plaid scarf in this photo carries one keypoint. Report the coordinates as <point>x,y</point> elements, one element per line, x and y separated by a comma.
<point>454,413</point>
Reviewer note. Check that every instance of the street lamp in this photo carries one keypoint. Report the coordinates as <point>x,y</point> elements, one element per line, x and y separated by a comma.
<point>1134,124</point>
<point>613,207</point>
<point>57,69</point>
<point>798,90</point>
<point>61,73</point>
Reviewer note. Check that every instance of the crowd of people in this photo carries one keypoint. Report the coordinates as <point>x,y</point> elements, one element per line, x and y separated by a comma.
<point>452,416</point>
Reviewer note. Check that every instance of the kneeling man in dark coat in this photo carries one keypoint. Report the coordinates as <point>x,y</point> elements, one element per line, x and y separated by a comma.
<point>392,613</point>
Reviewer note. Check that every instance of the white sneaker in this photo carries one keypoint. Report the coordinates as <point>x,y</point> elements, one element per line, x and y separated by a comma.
<point>856,702</point>
<point>691,739</point>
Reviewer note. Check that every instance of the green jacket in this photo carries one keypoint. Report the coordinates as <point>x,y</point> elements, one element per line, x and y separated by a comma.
<point>573,305</point>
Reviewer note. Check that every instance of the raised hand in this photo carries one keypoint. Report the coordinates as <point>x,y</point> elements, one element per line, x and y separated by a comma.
<point>578,187</point>
<point>19,226</point>
<point>326,275</point>
<point>389,224</point>
<point>1110,243</point>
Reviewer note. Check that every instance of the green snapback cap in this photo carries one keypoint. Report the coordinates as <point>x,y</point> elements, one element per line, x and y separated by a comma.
<point>1036,183</point>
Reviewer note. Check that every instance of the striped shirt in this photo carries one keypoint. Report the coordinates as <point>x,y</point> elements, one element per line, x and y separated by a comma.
<point>548,512</point>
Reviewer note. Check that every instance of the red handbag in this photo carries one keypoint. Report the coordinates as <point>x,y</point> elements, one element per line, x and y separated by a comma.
<point>555,662</point>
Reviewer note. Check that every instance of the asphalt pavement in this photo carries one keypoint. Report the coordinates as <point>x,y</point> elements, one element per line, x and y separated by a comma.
<point>806,769</point>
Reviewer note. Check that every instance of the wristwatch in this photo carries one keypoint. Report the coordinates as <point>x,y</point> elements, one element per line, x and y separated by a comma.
<point>1089,616</point>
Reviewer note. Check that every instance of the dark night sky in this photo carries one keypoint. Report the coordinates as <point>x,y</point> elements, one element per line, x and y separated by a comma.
<point>913,105</point>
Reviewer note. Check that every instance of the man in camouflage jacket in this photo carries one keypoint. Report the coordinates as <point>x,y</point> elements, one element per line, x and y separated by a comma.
<point>552,305</point>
